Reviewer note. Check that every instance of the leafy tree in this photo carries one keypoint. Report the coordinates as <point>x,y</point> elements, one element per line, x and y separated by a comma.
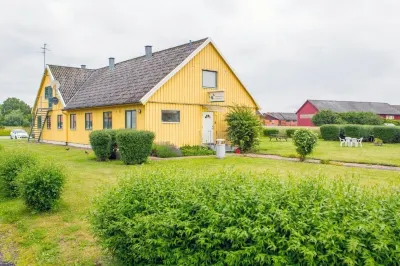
<point>361,118</point>
<point>326,117</point>
<point>244,127</point>
<point>305,141</point>
<point>15,104</point>
<point>15,118</point>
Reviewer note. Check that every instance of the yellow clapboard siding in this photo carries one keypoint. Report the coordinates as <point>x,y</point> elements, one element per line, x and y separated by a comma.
<point>52,134</point>
<point>186,85</point>
<point>81,136</point>
<point>184,92</point>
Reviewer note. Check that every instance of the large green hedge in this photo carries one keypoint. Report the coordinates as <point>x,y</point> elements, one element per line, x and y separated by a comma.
<point>174,217</point>
<point>134,145</point>
<point>290,132</point>
<point>386,133</point>
<point>330,132</point>
<point>270,132</point>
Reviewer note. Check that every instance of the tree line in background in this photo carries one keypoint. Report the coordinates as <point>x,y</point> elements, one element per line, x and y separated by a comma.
<point>15,112</point>
<point>327,117</point>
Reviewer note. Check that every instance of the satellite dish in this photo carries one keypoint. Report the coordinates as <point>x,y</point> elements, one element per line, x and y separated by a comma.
<point>54,100</point>
<point>55,84</point>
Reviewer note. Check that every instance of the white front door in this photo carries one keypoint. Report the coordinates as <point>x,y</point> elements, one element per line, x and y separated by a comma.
<point>208,127</point>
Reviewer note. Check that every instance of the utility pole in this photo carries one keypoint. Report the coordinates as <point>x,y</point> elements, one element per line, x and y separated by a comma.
<point>44,48</point>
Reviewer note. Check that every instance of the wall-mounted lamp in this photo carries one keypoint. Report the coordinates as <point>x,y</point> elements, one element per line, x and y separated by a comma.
<point>139,111</point>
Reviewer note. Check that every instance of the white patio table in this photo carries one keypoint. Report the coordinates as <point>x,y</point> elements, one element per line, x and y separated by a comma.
<point>348,141</point>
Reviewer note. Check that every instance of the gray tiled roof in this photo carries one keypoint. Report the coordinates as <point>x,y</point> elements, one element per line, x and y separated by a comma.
<point>348,106</point>
<point>70,78</point>
<point>397,107</point>
<point>128,82</point>
<point>284,116</point>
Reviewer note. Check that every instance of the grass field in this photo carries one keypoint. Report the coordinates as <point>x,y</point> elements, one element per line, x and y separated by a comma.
<point>64,237</point>
<point>388,154</point>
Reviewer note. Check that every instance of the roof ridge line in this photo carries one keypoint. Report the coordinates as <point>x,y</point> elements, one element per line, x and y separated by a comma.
<point>173,47</point>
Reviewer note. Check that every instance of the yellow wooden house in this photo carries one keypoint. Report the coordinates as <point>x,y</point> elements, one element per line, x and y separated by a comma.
<point>181,94</point>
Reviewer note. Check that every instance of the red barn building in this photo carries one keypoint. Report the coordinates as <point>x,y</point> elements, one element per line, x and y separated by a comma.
<point>280,119</point>
<point>311,107</point>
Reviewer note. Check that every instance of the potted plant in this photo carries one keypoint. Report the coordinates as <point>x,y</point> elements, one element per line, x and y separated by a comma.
<point>378,142</point>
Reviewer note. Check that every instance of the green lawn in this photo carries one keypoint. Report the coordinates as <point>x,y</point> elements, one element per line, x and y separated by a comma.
<point>63,236</point>
<point>388,154</point>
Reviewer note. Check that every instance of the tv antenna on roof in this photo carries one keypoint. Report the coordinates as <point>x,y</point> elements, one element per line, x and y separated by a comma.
<point>44,48</point>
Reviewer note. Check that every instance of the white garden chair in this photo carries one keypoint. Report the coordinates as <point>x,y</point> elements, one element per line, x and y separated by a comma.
<point>359,142</point>
<point>342,141</point>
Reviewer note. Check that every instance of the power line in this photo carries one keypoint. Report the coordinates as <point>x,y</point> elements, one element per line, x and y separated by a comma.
<point>44,48</point>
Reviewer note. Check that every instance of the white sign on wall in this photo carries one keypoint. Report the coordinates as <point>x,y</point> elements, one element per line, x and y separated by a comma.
<point>217,96</point>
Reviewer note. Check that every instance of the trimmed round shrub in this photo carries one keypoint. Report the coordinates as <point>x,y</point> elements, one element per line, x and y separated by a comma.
<point>41,186</point>
<point>196,150</point>
<point>165,151</point>
<point>11,164</point>
<point>289,132</point>
<point>270,132</point>
<point>385,133</point>
<point>305,140</point>
<point>100,140</point>
<point>330,132</point>
<point>176,217</point>
<point>134,145</point>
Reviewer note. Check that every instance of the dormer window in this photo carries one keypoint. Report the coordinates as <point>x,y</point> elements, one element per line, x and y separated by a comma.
<point>209,79</point>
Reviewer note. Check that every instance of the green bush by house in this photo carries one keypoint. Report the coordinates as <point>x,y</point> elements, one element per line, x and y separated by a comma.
<point>134,145</point>
<point>100,140</point>
<point>174,217</point>
<point>244,127</point>
<point>196,150</point>
<point>290,132</point>
<point>11,164</point>
<point>270,132</point>
<point>41,186</point>
<point>165,150</point>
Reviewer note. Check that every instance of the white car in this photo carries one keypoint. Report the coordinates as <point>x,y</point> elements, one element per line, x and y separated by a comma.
<point>18,134</point>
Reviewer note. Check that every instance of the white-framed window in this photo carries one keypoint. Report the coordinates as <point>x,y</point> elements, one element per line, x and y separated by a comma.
<point>170,116</point>
<point>209,79</point>
<point>130,119</point>
<point>390,117</point>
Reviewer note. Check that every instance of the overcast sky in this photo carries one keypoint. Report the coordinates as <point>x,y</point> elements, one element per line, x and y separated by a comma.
<point>284,51</point>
